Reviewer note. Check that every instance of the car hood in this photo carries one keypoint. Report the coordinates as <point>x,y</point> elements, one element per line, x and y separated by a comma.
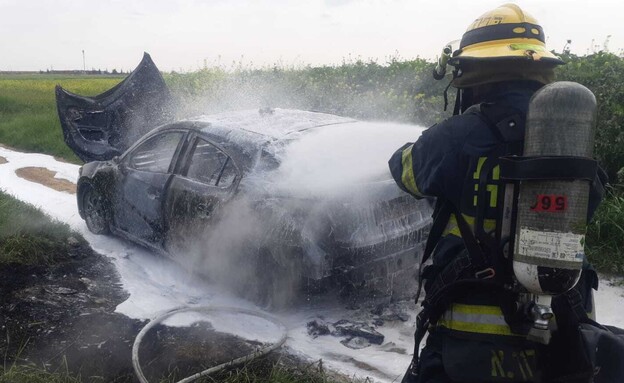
<point>103,126</point>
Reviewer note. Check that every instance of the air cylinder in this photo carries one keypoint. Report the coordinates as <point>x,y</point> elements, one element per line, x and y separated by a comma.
<point>552,214</point>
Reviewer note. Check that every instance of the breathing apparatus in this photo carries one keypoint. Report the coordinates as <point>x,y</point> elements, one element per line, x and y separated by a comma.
<point>546,190</point>
<point>546,198</point>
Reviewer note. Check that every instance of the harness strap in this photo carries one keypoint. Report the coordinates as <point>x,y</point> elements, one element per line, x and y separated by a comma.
<point>456,270</point>
<point>476,257</point>
<point>432,311</point>
<point>442,213</point>
<point>575,301</point>
<point>515,168</point>
<point>504,127</point>
<point>472,263</point>
<point>451,277</point>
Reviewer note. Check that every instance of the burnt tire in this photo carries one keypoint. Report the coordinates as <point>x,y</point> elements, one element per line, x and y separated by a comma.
<point>96,210</point>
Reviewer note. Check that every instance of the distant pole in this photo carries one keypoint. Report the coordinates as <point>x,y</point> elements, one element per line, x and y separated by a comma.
<point>566,47</point>
<point>84,63</point>
<point>605,46</point>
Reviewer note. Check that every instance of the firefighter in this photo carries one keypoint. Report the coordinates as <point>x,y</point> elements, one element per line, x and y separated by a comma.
<point>475,330</point>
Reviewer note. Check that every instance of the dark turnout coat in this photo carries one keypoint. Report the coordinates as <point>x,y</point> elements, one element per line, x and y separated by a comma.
<point>473,339</point>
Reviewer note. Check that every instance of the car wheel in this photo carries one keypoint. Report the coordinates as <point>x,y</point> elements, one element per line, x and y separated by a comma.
<point>96,210</point>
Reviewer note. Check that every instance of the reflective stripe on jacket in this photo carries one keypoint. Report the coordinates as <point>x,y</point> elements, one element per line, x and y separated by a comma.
<point>479,319</point>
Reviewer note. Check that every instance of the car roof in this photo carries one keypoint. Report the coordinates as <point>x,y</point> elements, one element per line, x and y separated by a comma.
<point>244,135</point>
<point>272,123</point>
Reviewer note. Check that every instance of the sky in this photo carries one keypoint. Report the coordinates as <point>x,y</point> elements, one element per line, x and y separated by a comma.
<point>185,35</point>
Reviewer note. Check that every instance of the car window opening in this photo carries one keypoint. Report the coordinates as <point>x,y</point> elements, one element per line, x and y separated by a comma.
<point>155,154</point>
<point>210,165</point>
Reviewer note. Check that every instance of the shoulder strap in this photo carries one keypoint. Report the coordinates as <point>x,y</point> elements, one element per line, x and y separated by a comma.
<point>503,121</point>
<point>441,216</point>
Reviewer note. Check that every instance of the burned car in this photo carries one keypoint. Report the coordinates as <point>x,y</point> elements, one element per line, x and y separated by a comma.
<point>296,195</point>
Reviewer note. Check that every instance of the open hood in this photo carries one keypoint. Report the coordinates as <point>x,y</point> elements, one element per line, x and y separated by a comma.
<point>101,127</point>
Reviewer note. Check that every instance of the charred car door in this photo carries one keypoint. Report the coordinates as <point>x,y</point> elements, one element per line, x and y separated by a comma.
<point>146,171</point>
<point>206,180</point>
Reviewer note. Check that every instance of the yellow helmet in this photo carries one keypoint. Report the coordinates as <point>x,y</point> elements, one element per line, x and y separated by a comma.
<point>503,44</point>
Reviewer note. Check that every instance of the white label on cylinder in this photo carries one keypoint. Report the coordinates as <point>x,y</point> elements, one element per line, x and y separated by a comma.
<point>551,245</point>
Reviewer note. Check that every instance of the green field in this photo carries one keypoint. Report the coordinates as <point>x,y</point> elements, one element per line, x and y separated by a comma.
<point>28,118</point>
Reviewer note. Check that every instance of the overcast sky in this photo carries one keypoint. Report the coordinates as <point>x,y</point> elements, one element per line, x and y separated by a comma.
<point>183,34</point>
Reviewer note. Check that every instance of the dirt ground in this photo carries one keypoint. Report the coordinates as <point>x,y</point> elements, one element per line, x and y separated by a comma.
<point>63,315</point>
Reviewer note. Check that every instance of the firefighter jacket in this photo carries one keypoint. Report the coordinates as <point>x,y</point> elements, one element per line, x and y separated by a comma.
<point>447,162</point>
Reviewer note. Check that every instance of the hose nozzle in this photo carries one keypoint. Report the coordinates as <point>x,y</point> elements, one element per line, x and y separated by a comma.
<point>440,69</point>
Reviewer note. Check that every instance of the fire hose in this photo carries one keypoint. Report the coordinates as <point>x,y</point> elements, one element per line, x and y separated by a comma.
<point>208,310</point>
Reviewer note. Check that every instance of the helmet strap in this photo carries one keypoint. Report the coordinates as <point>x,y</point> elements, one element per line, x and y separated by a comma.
<point>458,102</point>
<point>456,73</point>
<point>446,95</point>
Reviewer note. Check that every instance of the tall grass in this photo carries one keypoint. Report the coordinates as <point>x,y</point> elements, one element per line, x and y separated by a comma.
<point>31,374</point>
<point>271,370</point>
<point>262,371</point>
<point>605,235</point>
<point>396,90</point>
<point>29,237</point>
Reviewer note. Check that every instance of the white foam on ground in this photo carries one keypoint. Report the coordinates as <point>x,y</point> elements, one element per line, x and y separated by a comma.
<point>378,362</point>
<point>156,284</point>
<point>610,301</point>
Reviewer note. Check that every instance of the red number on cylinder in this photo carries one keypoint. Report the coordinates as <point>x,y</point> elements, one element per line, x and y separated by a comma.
<point>550,203</point>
